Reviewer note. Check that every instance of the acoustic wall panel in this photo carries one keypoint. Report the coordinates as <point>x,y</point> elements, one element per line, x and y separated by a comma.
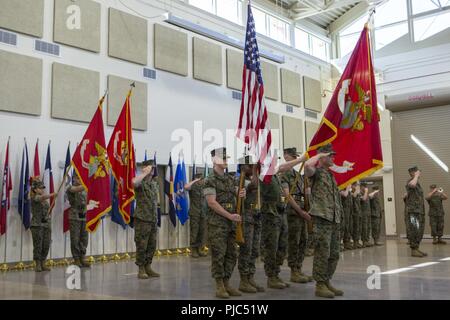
<point>310,130</point>
<point>118,89</point>
<point>290,87</point>
<point>312,94</point>
<point>207,61</point>
<point>24,16</point>
<point>270,79</point>
<point>235,62</point>
<point>20,83</point>
<point>274,121</point>
<point>77,24</point>
<point>128,37</point>
<point>171,50</point>
<point>75,92</point>
<point>293,133</point>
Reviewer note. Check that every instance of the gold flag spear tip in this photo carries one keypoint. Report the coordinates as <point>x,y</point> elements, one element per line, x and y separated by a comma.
<point>133,84</point>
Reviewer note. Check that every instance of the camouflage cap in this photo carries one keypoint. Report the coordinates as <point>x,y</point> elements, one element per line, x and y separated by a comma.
<point>198,175</point>
<point>328,148</point>
<point>220,153</point>
<point>363,184</point>
<point>433,186</point>
<point>145,163</point>
<point>376,188</point>
<point>413,169</point>
<point>36,183</point>
<point>291,151</point>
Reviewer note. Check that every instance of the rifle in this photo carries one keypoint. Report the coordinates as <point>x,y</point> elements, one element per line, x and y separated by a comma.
<point>239,230</point>
<point>307,204</point>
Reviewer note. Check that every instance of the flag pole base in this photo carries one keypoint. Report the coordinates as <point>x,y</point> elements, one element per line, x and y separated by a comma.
<point>19,266</point>
<point>4,267</point>
<point>50,263</point>
<point>158,253</point>
<point>126,256</point>
<point>187,251</point>
<point>116,257</point>
<point>205,248</point>
<point>91,259</point>
<point>64,262</point>
<point>168,252</point>
<point>103,259</point>
<point>179,251</point>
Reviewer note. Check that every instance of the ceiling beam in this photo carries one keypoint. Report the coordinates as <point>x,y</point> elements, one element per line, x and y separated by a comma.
<point>349,17</point>
<point>335,4</point>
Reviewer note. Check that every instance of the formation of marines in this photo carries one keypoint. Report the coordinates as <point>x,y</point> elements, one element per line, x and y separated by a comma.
<point>288,217</point>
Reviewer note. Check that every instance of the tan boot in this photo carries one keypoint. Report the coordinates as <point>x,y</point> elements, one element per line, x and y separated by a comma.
<point>220,289</point>
<point>435,241</point>
<point>287,285</point>
<point>440,241</point>
<point>44,266</point>
<point>274,283</point>
<point>323,291</point>
<point>84,263</point>
<point>231,291</point>
<point>423,253</point>
<point>77,262</point>
<point>194,253</point>
<point>295,276</point>
<point>305,278</point>
<point>251,280</point>
<point>150,272</point>
<point>416,253</point>
<point>348,246</point>
<point>378,243</point>
<point>245,285</point>
<point>336,292</point>
<point>38,267</point>
<point>142,274</point>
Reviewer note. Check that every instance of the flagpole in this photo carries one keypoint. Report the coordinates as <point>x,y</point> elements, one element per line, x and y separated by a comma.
<point>116,256</point>
<point>103,258</point>
<point>126,255</point>
<point>20,265</point>
<point>5,267</point>
<point>91,259</point>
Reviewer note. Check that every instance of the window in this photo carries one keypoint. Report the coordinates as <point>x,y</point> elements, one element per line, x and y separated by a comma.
<point>391,12</point>
<point>230,10</point>
<point>347,43</point>
<point>429,26</point>
<point>356,26</point>
<point>302,40</point>
<point>207,5</point>
<point>227,9</point>
<point>420,6</point>
<point>279,30</point>
<point>319,48</point>
<point>260,20</point>
<point>386,35</point>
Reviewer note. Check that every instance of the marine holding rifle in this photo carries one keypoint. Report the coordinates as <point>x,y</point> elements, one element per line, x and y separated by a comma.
<point>221,194</point>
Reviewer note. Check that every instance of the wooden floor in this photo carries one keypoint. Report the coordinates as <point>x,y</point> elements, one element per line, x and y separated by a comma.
<point>185,278</point>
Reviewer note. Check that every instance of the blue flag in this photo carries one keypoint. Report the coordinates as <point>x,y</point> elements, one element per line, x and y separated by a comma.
<point>24,190</point>
<point>116,217</point>
<point>180,194</point>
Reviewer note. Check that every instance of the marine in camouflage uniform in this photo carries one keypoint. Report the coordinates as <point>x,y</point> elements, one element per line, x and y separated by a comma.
<point>197,215</point>
<point>436,213</point>
<point>145,219</point>
<point>326,210</point>
<point>293,185</point>
<point>365,216</point>
<point>40,223</point>
<point>415,209</point>
<point>77,221</point>
<point>346,225</point>
<point>356,215</point>
<point>274,232</point>
<point>220,191</point>
<point>375,218</point>
<point>251,218</point>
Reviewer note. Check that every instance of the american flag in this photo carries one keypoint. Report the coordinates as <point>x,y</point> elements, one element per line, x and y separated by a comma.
<point>253,126</point>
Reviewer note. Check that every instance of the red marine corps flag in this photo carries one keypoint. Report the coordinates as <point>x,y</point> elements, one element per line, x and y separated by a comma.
<point>90,161</point>
<point>121,157</point>
<point>351,121</point>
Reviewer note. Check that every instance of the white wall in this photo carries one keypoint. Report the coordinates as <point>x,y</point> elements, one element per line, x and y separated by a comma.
<point>174,102</point>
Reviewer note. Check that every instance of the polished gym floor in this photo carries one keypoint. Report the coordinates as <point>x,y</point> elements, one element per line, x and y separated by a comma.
<point>402,277</point>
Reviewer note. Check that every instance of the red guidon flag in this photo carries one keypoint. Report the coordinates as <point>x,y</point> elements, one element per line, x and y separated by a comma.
<point>121,157</point>
<point>351,121</point>
<point>91,163</point>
